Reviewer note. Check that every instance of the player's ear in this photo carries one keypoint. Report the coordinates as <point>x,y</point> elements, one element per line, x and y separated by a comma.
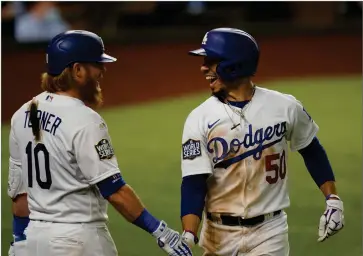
<point>77,70</point>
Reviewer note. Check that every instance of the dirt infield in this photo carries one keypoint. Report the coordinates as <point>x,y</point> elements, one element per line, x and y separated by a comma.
<point>156,71</point>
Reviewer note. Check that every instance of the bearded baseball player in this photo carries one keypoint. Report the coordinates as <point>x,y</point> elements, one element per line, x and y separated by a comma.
<point>63,165</point>
<point>234,156</point>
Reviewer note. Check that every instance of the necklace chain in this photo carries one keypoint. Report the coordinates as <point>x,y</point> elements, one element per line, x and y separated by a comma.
<point>240,112</point>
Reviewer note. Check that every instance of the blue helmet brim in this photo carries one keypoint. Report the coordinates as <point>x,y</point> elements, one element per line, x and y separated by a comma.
<point>107,58</point>
<point>198,52</point>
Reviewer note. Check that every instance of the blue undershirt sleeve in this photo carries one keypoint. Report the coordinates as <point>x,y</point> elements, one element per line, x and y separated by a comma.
<point>193,193</point>
<point>317,162</point>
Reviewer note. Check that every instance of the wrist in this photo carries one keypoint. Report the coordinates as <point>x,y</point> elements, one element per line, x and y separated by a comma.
<point>147,222</point>
<point>19,225</point>
<point>157,233</point>
<point>332,197</point>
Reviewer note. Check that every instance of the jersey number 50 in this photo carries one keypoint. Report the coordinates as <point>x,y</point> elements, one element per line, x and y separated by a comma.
<point>38,148</point>
<point>276,170</point>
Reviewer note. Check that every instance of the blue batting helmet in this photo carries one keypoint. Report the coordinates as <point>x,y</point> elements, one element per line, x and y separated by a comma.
<point>74,46</point>
<point>237,50</point>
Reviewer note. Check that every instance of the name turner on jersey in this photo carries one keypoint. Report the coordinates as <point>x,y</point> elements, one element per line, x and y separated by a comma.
<point>48,121</point>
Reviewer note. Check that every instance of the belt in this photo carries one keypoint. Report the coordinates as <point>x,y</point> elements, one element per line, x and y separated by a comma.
<point>239,221</point>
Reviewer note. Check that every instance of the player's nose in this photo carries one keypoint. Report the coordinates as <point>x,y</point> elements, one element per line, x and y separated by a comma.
<point>204,68</point>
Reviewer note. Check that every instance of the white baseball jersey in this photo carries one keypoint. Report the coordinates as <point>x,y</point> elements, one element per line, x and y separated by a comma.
<point>61,170</point>
<point>245,157</point>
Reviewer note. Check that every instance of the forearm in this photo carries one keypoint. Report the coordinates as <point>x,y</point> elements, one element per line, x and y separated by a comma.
<point>318,165</point>
<point>191,223</point>
<point>20,216</point>
<point>124,199</point>
<point>328,188</point>
<point>20,206</point>
<point>193,193</point>
<point>127,203</point>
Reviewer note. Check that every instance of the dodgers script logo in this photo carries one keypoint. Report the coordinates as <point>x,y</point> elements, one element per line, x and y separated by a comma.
<point>250,139</point>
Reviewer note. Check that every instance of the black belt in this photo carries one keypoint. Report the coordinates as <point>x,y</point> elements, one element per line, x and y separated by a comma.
<point>239,221</point>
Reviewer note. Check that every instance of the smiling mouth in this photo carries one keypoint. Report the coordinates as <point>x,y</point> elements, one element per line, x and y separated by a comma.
<point>211,79</point>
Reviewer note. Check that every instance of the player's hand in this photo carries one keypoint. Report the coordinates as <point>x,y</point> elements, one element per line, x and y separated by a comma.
<point>332,220</point>
<point>170,241</point>
<point>189,238</point>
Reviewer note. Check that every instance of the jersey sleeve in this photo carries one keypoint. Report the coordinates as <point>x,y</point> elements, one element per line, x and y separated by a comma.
<point>194,157</point>
<point>94,152</point>
<point>303,128</point>
<point>16,185</point>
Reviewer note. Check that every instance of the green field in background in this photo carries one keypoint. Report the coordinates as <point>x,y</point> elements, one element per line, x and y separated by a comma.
<point>147,142</point>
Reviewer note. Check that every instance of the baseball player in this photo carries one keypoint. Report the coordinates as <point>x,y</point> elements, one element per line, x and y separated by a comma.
<point>234,156</point>
<point>63,165</point>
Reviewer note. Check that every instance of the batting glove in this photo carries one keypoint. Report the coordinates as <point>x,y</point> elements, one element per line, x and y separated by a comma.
<point>333,218</point>
<point>170,241</point>
<point>189,238</point>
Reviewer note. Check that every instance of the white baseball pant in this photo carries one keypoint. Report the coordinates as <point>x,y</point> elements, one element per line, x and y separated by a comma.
<point>269,238</point>
<point>68,239</point>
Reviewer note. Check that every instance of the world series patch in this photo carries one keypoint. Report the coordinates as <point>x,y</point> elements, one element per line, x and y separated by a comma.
<point>191,149</point>
<point>104,149</point>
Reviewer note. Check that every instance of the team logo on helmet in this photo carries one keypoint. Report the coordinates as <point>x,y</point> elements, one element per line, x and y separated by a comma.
<point>205,38</point>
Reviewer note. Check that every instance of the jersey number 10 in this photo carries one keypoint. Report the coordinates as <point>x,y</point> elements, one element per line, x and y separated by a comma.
<point>38,148</point>
<point>276,170</point>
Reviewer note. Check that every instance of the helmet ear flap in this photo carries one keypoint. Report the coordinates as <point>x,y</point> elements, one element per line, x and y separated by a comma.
<point>229,70</point>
